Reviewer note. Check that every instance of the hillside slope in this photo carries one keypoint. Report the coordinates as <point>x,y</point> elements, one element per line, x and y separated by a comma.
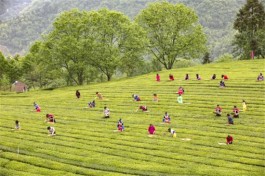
<point>215,15</point>
<point>87,144</point>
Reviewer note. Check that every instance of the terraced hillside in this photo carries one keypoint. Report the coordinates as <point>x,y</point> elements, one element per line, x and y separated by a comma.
<point>87,144</point>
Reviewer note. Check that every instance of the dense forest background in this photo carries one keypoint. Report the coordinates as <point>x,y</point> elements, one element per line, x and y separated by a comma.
<point>24,21</point>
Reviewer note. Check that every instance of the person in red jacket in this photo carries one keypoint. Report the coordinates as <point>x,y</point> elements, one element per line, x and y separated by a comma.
<point>235,112</point>
<point>181,90</point>
<point>151,129</point>
<point>50,118</point>
<point>225,77</point>
<point>171,77</point>
<point>143,108</point>
<point>218,110</point>
<point>157,77</point>
<point>229,140</point>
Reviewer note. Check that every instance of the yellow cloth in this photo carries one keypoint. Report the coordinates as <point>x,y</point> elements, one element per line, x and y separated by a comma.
<point>244,107</point>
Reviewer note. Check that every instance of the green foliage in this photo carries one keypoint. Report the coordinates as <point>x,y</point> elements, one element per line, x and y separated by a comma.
<point>116,42</point>
<point>86,144</point>
<point>38,70</point>
<point>18,33</point>
<point>224,58</point>
<point>104,39</point>
<point>3,65</point>
<point>184,63</point>
<point>206,58</point>
<point>173,31</point>
<point>251,27</point>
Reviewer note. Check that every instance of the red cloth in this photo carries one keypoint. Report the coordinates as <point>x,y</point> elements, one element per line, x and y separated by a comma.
<point>229,139</point>
<point>180,92</point>
<point>120,127</point>
<point>50,117</point>
<point>171,77</point>
<point>225,77</point>
<point>218,109</point>
<point>38,109</point>
<point>144,108</point>
<point>151,129</point>
<point>236,110</point>
<point>157,77</point>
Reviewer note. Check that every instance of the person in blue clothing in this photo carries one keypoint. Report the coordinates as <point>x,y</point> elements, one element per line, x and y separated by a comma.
<point>230,119</point>
<point>166,118</point>
<point>92,104</point>
<point>37,107</point>
<point>136,97</point>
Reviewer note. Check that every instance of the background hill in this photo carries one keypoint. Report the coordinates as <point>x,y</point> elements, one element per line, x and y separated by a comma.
<point>86,144</point>
<point>19,30</point>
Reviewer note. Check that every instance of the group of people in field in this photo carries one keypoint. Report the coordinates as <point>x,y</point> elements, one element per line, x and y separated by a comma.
<point>166,118</point>
<point>198,77</point>
<point>233,114</point>
<point>49,118</point>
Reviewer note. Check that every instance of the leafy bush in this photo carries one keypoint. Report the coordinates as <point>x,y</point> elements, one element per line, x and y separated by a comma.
<point>225,58</point>
<point>183,63</point>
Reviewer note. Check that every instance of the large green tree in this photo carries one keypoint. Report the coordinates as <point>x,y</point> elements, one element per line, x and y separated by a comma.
<point>3,65</point>
<point>68,46</point>
<point>38,71</point>
<point>173,31</point>
<point>117,42</point>
<point>250,24</point>
<point>104,39</point>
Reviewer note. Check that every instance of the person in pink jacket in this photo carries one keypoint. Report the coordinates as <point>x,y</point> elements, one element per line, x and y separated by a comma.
<point>157,77</point>
<point>151,129</point>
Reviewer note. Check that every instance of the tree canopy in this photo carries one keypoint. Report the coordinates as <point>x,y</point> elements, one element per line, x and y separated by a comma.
<point>250,24</point>
<point>82,41</point>
<point>23,28</point>
<point>173,32</point>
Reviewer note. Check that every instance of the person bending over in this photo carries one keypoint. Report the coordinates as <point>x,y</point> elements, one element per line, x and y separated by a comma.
<point>230,119</point>
<point>172,132</point>
<point>50,118</point>
<point>260,77</point>
<point>92,104</point>
<point>171,77</point>
<point>106,112</point>
<point>51,131</point>
<point>166,118</point>
<point>151,129</point>
<point>218,110</point>
<point>120,125</point>
<point>235,112</point>
<point>37,107</point>
<point>136,97</point>
<point>77,94</point>
<point>229,140</point>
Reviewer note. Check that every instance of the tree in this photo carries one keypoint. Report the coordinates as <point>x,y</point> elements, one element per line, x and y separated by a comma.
<point>82,41</point>
<point>3,65</point>
<point>117,42</point>
<point>206,58</point>
<point>68,46</point>
<point>13,69</point>
<point>173,32</point>
<point>250,24</point>
<point>38,71</point>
